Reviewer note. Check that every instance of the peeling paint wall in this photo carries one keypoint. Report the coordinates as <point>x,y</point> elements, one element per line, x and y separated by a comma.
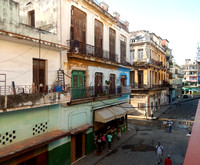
<point>45,13</point>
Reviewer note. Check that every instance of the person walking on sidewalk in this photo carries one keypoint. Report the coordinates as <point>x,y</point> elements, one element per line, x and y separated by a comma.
<point>168,161</point>
<point>109,136</point>
<point>103,140</point>
<point>170,126</point>
<point>159,152</point>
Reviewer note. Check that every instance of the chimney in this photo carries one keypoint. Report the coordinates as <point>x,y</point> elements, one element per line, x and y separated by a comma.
<point>116,15</point>
<point>104,6</point>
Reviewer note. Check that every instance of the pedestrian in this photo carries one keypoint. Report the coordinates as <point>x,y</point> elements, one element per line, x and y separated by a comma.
<point>168,160</point>
<point>170,126</point>
<point>103,140</point>
<point>151,114</point>
<point>109,136</point>
<point>159,152</point>
<point>99,144</point>
<point>164,124</point>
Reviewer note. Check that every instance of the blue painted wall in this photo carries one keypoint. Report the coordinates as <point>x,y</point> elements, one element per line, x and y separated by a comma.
<point>124,71</point>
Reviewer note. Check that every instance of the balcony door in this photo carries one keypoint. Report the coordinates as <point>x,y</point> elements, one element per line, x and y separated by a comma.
<point>112,38</point>
<point>78,84</point>
<point>112,83</point>
<point>78,28</point>
<point>39,73</point>
<point>123,80</point>
<point>140,79</point>
<point>98,39</point>
<point>98,83</point>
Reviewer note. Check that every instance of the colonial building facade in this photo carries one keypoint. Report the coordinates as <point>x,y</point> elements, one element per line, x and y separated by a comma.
<point>149,88</point>
<point>65,78</point>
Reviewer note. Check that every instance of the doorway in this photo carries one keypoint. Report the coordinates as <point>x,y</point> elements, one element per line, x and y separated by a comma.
<point>140,79</point>
<point>79,145</point>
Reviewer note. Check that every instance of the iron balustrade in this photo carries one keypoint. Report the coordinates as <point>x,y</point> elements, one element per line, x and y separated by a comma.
<point>30,89</point>
<point>100,91</point>
<point>90,50</point>
<point>148,86</point>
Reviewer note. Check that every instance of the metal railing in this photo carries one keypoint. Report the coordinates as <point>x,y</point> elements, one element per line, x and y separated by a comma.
<point>87,92</point>
<point>30,89</point>
<point>148,86</point>
<point>90,50</point>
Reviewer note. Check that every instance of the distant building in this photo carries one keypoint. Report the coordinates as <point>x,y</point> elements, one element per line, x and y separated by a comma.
<point>190,79</point>
<point>175,81</point>
<point>149,87</point>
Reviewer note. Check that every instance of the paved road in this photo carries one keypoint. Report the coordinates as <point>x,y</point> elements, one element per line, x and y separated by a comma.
<point>139,150</point>
<point>185,111</point>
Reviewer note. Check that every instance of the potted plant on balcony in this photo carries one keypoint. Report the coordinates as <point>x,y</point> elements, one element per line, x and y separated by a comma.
<point>107,82</point>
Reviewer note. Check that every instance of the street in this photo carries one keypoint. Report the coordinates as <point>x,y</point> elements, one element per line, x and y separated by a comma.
<point>139,149</point>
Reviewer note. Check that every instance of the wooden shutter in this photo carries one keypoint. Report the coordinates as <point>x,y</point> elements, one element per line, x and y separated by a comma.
<point>112,36</point>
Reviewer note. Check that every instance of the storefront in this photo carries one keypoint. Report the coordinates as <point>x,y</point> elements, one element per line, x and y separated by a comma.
<point>112,119</point>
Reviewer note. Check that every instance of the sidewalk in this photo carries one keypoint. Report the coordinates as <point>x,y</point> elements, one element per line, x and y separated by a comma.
<point>92,158</point>
<point>156,114</point>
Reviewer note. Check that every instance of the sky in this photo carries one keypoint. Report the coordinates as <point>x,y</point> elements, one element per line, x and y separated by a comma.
<point>178,21</point>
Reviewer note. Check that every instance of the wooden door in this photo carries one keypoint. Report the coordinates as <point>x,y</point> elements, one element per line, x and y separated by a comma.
<point>78,84</point>
<point>123,51</point>
<point>98,39</point>
<point>98,84</point>
<point>78,28</point>
<point>140,79</point>
<point>123,80</point>
<point>112,38</point>
<point>112,84</point>
<point>39,73</point>
<point>79,145</point>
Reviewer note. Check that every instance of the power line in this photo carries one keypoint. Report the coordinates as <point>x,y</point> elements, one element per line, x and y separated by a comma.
<point>18,55</point>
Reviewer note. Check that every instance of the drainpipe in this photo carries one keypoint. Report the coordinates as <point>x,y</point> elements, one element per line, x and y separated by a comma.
<point>61,34</point>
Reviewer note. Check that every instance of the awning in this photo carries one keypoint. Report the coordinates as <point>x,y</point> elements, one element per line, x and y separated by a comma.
<point>117,111</point>
<point>103,115</point>
<point>24,146</point>
<point>128,107</point>
<point>80,129</point>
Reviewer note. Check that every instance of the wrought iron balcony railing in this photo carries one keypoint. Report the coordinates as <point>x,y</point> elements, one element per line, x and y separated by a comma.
<point>100,91</point>
<point>83,48</point>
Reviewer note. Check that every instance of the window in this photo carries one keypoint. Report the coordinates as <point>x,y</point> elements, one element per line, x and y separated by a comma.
<point>140,54</point>
<point>31,18</point>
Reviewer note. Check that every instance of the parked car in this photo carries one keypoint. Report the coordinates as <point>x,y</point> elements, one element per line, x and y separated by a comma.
<point>185,96</point>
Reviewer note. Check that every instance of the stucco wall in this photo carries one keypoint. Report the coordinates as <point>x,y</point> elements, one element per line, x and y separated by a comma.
<point>17,62</point>
<point>106,75</point>
<point>26,123</point>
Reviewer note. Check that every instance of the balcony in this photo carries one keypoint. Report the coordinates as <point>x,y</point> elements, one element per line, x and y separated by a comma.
<point>77,47</point>
<point>137,86</point>
<point>25,96</point>
<point>152,62</point>
<point>88,94</point>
